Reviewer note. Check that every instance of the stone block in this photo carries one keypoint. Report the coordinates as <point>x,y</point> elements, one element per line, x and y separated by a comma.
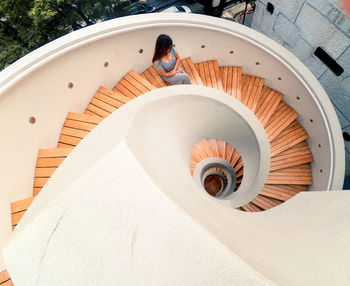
<point>337,44</point>
<point>344,61</point>
<point>314,27</point>
<point>338,18</point>
<point>264,22</point>
<point>323,6</point>
<point>340,97</point>
<point>289,8</point>
<point>301,49</point>
<point>315,66</point>
<point>289,32</point>
<point>344,122</point>
<point>346,83</point>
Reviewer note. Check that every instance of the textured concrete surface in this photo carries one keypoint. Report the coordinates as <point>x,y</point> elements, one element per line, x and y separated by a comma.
<point>303,25</point>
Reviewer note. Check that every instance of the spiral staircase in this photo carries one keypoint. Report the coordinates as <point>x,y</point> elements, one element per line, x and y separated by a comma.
<point>290,155</point>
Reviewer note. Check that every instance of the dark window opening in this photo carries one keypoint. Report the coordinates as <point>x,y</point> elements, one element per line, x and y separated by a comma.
<point>328,61</point>
<point>270,8</point>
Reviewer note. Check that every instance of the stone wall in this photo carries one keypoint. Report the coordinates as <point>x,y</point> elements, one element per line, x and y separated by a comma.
<point>302,26</point>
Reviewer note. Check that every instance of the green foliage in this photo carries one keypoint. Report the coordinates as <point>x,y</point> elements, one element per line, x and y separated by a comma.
<point>28,24</point>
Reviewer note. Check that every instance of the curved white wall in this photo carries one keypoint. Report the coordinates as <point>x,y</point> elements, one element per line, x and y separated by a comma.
<point>36,86</point>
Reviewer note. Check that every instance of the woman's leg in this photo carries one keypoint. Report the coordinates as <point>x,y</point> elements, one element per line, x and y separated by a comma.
<point>179,78</point>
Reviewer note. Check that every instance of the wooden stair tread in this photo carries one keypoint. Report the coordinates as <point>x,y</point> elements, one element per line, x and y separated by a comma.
<point>280,192</point>
<point>77,126</point>
<point>54,152</point>
<point>133,85</point>
<point>299,175</point>
<point>265,203</point>
<point>251,207</point>
<point>267,104</point>
<point>18,209</point>
<point>283,116</point>
<point>83,118</point>
<point>210,74</point>
<point>297,155</point>
<point>288,138</point>
<point>191,71</point>
<point>154,78</point>
<point>251,91</point>
<point>5,279</point>
<point>67,140</point>
<point>231,78</point>
<point>47,162</point>
<point>105,101</point>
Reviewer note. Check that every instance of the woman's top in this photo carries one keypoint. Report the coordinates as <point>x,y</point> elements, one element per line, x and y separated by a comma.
<point>159,64</point>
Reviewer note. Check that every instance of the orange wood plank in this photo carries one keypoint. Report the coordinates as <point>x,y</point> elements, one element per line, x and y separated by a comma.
<point>84,118</point>
<point>49,162</point>
<point>54,152</point>
<point>102,105</point>
<point>40,182</point>
<point>79,125</point>
<point>97,110</point>
<point>21,205</point>
<point>44,172</point>
<point>194,71</point>
<point>145,83</point>
<point>69,140</point>
<point>217,75</point>
<point>212,74</point>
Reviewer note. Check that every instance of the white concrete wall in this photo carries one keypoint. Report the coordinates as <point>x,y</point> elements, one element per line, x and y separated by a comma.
<point>36,86</point>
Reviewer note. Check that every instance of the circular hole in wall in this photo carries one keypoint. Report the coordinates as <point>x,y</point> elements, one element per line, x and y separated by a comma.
<point>232,52</point>
<point>279,78</point>
<point>106,64</point>
<point>32,120</point>
<point>70,85</point>
<point>202,46</point>
<point>298,98</point>
<point>319,146</point>
<point>140,51</point>
<point>321,170</point>
<point>311,120</point>
<point>257,63</point>
<point>213,184</point>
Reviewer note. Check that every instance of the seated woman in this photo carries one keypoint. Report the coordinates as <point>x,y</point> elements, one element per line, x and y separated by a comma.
<point>166,61</point>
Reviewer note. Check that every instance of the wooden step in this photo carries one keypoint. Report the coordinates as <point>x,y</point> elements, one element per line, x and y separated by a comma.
<point>267,104</point>
<point>283,116</point>
<point>133,85</point>
<point>265,203</point>
<point>231,78</point>
<point>251,207</point>
<point>75,128</point>
<point>251,91</point>
<point>47,162</point>
<point>210,74</point>
<point>5,279</point>
<point>18,209</point>
<point>189,68</point>
<point>297,155</point>
<point>154,78</point>
<point>282,192</point>
<point>105,101</point>
<point>299,175</point>
<point>291,136</point>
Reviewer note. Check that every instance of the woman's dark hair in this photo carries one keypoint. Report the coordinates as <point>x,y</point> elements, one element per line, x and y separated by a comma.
<point>163,44</point>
